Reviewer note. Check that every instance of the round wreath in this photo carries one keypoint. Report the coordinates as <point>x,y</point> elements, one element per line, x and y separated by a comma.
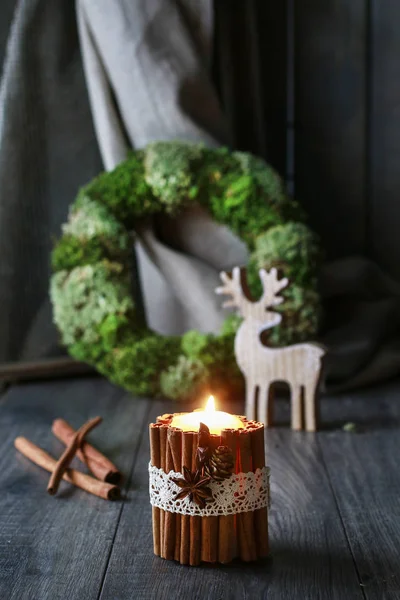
<point>91,288</point>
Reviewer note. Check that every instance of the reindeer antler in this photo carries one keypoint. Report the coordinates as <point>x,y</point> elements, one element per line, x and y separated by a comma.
<point>271,286</point>
<point>232,287</point>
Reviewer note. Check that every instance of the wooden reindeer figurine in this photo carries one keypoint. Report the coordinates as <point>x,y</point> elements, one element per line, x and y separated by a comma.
<point>299,365</point>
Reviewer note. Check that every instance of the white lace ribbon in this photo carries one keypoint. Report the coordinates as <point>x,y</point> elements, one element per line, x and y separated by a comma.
<point>239,493</point>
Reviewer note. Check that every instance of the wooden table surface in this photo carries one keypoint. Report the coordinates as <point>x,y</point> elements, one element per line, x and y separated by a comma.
<point>334,519</point>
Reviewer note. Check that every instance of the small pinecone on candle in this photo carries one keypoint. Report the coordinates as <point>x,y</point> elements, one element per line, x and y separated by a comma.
<point>220,465</point>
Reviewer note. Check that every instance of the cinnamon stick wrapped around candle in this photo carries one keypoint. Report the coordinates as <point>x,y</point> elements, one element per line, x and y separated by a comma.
<point>163,466</point>
<point>210,525</point>
<point>80,480</point>
<point>245,520</point>
<point>154,431</point>
<point>187,447</point>
<point>195,522</point>
<point>169,517</point>
<point>100,466</point>
<point>227,543</point>
<point>261,515</point>
<point>175,444</point>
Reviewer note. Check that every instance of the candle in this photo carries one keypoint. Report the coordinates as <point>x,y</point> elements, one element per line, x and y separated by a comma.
<point>198,483</point>
<point>215,420</point>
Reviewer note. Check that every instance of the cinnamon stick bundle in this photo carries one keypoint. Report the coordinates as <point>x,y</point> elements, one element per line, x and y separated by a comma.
<point>192,539</point>
<point>81,480</point>
<point>69,453</point>
<point>100,465</point>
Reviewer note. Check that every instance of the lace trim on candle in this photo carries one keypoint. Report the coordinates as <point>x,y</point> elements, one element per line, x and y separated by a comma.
<point>242,492</point>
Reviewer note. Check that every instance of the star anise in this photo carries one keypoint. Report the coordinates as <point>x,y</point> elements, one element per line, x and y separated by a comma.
<point>194,486</point>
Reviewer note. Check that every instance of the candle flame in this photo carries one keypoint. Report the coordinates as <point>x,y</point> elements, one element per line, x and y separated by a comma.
<point>210,406</point>
<point>215,420</point>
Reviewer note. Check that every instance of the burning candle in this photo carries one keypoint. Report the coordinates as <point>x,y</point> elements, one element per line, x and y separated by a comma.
<point>208,487</point>
<point>215,420</point>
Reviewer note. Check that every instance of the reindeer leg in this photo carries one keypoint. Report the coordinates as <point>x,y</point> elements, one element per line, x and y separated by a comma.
<point>311,405</point>
<point>270,404</point>
<point>264,406</point>
<point>250,409</point>
<point>296,407</point>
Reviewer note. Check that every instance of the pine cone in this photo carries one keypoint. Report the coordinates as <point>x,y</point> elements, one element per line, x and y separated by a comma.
<point>220,465</point>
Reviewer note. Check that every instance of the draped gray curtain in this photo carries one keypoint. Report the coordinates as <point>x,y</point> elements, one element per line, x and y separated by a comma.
<point>80,85</point>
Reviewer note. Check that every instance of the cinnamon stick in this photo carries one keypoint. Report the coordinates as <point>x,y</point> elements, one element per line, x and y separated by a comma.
<point>195,522</point>
<point>165,419</point>
<point>187,447</point>
<point>85,482</point>
<point>100,466</point>
<point>69,453</point>
<point>227,546</point>
<point>163,464</point>
<point>169,517</point>
<point>245,520</point>
<point>261,515</point>
<point>175,443</point>
<point>154,432</point>
<point>209,525</point>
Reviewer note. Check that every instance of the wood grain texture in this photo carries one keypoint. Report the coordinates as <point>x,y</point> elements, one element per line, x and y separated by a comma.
<point>384,129</point>
<point>58,547</point>
<point>250,72</point>
<point>364,472</point>
<point>330,120</point>
<point>310,554</point>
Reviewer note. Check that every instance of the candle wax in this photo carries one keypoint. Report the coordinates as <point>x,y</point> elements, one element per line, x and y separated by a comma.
<point>215,420</point>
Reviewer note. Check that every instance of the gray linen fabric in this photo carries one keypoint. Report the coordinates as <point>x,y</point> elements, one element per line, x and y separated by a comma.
<point>47,150</point>
<point>146,68</point>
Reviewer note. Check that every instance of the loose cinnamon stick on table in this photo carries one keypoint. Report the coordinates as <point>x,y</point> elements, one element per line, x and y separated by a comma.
<point>81,480</point>
<point>227,544</point>
<point>195,522</point>
<point>187,446</point>
<point>69,453</point>
<point>209,525</point>
<point>100,466</point>
<point>261,515</point>
<point>245,520</point>
<point>154,430</point>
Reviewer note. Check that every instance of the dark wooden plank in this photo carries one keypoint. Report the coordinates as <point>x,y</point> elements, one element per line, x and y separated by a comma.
<point>250,69</point>
<point>330,118</point>
<point>58,547</point>
<point>310,554</point>
<point>364,472</point>
<point>385,134</point>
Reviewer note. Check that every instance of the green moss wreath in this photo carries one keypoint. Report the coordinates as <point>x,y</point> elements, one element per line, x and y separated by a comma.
<point>91,288</point>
